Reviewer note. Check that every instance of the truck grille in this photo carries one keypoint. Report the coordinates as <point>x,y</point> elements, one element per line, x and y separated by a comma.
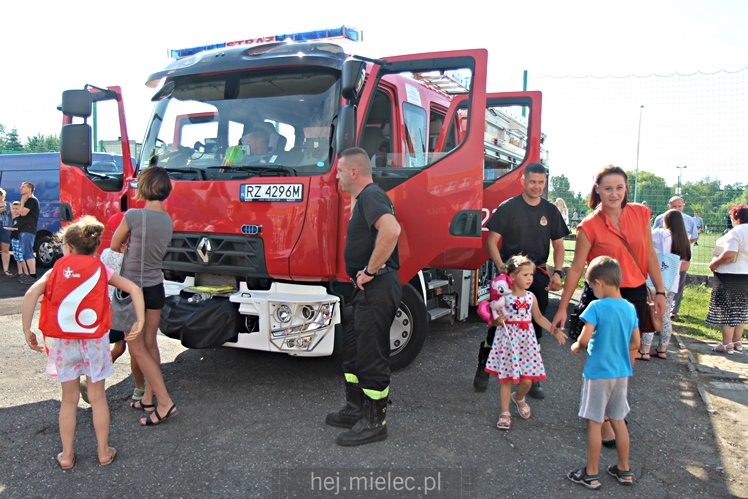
<point>216,254</point>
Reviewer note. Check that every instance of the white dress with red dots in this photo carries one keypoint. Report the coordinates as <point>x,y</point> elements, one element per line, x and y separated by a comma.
<point>515,355</point>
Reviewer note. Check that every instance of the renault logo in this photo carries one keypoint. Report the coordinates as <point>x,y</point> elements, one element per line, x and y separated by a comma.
<point>204,249</point>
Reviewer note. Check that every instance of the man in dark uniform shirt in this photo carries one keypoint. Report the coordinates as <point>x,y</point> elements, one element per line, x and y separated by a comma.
<point>371,261</point>
<point>525,225</point>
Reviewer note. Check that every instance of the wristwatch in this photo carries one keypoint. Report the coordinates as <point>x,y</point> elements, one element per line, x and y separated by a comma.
<point>559,272</point>
<point>661,293</point>
<point>366,272</point>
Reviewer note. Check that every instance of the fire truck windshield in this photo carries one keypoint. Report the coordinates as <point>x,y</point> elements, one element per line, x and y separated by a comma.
<point>215,128</point>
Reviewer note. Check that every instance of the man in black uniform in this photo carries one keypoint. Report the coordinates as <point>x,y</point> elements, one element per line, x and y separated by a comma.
<point>524,225</point>
<point>371,261</point>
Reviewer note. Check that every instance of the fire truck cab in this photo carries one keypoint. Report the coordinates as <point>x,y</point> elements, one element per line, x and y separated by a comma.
<point>250,134</point>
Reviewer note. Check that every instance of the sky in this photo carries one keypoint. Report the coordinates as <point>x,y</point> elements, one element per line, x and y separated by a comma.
<point>62,45</point>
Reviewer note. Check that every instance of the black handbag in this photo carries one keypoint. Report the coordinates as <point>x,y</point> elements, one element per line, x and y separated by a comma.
<point>576,324</point>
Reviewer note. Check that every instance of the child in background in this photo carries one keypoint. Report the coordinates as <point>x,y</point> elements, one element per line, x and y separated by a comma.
<point>611,336</point>
<point>113,261</point>
<point>15,242</point>
<point>515,356</point>
<point>75,328</point>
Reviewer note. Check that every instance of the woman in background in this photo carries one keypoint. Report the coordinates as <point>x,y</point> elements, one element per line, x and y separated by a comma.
<point>561,205</point>
<point>728,307</point>
<point>673,238</point>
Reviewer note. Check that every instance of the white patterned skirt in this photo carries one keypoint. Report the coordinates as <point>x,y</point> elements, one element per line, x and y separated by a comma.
<point>728,305</point>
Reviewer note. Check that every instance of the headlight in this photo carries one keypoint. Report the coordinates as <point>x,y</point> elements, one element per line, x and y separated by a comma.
<point>283,313</point>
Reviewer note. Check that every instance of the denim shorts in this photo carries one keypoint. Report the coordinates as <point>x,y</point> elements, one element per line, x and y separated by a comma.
<point>27,245</point>
<point>17,253</point>
<point>4,235</point>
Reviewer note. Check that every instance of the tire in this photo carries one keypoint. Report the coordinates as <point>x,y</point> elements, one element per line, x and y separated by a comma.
<point>46,252</point>
<point>409,329</point>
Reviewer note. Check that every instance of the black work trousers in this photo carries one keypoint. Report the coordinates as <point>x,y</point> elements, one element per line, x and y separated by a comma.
<point>366,336</point>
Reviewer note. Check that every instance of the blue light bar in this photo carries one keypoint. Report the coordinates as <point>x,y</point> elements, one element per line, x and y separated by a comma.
<point>342,33</point>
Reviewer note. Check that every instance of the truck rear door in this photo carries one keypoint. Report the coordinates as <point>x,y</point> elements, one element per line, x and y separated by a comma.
<point>512,140</point>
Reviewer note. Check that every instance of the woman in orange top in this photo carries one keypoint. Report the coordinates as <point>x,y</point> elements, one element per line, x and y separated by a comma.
<point>612,219</point>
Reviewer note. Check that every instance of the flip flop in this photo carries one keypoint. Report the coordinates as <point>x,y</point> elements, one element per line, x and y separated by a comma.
<point>149,422</point>
<point>111,459</point>
<point>68,467</point>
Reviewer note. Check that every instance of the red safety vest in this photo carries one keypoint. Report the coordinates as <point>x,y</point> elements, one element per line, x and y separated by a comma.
<point>76,302</point>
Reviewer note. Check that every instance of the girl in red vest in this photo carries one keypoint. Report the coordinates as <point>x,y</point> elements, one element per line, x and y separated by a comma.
<point>75,318</point>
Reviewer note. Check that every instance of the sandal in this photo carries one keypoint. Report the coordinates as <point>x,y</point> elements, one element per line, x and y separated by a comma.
<point>624,477</point>
<point>722,348</point>
<point>9,273</point>
<point>138,405</point>
<point>737,346</point>
<point>611,444</point>
<point>150,422</point>
<point>69,466</point>
<point>112,455</point>
<point>505,421</point>
<point>661,354</point>
<point>581,477</point>
<point>522,407</point>
<point>644,356</point>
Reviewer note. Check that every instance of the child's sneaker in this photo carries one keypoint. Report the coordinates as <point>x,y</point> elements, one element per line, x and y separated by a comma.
<point>138,393</point>
<point>83,386</point>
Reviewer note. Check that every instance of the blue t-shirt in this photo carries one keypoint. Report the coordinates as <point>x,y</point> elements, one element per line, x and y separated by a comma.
<point>608,350</point>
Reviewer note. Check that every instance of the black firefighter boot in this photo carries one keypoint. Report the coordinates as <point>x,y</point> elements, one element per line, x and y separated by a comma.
<point>370,428</point>
<point>353,410</point>
<point>480,382</point>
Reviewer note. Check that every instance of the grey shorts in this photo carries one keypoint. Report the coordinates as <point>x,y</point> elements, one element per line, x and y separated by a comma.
<point>604,397</point>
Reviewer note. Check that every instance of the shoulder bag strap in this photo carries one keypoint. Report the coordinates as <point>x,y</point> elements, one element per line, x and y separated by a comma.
<point>625,243</point>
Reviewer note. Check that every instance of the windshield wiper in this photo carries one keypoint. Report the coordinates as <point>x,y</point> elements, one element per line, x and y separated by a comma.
<point>261,171</point>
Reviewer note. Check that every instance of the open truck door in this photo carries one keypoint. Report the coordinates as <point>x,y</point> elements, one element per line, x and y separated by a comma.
<point>85,190</point>
<point>512,141</point>
<point>437,193</point>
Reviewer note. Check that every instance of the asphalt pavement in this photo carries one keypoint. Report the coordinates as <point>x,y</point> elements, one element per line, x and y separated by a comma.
<point>251,424</point>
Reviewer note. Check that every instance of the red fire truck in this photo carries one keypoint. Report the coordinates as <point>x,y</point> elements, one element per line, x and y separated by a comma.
<point>271,226</point>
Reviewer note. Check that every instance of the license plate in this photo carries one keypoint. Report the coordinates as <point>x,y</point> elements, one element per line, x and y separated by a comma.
<point>271,192</point>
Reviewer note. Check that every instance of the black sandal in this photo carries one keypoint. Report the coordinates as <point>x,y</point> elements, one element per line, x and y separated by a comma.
<point>149,408</point>
<point>149,422</point>
<point>624,477</point>
<point>9,273</point>
<point>642,356</point>
<point>581,477</point>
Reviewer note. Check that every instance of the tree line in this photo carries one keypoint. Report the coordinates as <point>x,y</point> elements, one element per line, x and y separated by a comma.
<point>10,142</point>
<point>708,197</point>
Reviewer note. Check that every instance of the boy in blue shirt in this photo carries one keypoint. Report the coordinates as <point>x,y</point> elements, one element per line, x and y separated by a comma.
<point>611,336</point>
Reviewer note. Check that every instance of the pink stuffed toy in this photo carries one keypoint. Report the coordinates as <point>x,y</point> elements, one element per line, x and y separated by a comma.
<point>501,286</point>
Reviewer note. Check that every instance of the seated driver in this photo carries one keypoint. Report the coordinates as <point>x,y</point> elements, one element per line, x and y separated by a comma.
<point>257,139</point>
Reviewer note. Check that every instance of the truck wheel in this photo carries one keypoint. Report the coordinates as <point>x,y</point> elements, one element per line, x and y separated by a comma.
<point>409,329</point>
<point>46,252</point>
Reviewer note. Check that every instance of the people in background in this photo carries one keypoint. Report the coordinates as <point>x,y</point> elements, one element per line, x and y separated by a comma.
<point>728,306</point>
<point>561,205</point>
<point>677,203</point>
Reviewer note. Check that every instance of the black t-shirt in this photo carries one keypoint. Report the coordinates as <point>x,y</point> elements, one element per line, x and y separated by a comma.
<point>527,230</point>
<point>371,203</point>
<point>27,223</point>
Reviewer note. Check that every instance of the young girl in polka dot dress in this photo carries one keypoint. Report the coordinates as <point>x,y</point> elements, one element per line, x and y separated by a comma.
<point>515,356</point>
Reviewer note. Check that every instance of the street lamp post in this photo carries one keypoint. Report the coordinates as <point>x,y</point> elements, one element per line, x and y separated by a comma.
<point>638,137</point>
<point>680,171</point>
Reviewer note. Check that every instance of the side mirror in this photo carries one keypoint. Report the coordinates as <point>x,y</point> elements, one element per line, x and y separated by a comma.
<point>75,145</point>
<point>345,132</point>
<point>353,77</point>
<point>76,103</point>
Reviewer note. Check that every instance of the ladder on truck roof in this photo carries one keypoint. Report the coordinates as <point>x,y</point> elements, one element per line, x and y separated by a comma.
<point>442,82</point>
